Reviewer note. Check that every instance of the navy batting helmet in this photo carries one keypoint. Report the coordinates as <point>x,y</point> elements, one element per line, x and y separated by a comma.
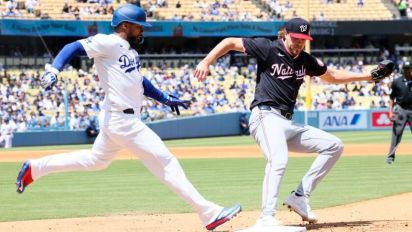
<point>129,13</point>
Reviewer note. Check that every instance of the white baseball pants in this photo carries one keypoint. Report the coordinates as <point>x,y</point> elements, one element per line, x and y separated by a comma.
<point>117,131</point>
<point>276,136</point>
<point>7,139</point>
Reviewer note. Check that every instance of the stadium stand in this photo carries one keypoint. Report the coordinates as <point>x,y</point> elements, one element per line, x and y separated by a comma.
<point>206,10</point>
<point>322,10</point>
<point>228,89</point>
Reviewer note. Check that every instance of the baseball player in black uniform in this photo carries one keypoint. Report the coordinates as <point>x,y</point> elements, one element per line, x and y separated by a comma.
<point>282,66</point>
<point>400,108</point>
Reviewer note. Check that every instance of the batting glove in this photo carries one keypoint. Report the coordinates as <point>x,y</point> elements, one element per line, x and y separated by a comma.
<point>175,102</point>
<point>49,78</point>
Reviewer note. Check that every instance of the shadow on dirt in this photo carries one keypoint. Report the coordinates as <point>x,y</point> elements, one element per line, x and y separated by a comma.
<point>351,224</point>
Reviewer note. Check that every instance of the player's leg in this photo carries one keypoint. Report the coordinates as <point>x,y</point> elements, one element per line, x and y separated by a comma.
<point>309,140</point>
<point>410,119</point>
<point>269,130</point>
<point>101,155</point>
<point>398,126</point>
<point>8,141</point>
<point>2,139</point>
<point>157,158</point>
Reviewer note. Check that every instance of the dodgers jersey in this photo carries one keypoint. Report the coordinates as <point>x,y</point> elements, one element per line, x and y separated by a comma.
<point>279,75</point>
<point>118,68</point>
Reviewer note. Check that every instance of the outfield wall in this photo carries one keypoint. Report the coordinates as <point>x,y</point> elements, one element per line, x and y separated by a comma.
<point>221,125</point>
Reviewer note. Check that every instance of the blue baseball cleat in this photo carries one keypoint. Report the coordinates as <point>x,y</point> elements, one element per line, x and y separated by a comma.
<point>224,216</point>
<point>24,178</point>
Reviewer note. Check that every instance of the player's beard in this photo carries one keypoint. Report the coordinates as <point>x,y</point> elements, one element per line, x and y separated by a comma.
<point>296,50</point>
<point>134,42</point>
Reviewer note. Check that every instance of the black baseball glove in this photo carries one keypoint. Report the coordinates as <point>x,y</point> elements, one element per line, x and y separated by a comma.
<point>384,69</point>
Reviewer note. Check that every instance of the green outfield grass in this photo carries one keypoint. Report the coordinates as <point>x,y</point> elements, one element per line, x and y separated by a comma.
<point>359,137</point>
<point>126,186</point>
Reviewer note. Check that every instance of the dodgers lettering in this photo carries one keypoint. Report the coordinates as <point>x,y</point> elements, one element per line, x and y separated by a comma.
<point>129,64</point>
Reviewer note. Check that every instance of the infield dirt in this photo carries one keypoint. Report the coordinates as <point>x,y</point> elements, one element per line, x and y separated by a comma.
<point>384,215</point>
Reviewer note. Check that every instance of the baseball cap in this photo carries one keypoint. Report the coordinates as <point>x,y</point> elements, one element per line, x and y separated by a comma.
<point>299,28</point>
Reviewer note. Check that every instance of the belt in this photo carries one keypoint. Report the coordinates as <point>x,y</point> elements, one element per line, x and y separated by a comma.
<point>128,111</point>
<point>288,115</point>
<point>407,107</point>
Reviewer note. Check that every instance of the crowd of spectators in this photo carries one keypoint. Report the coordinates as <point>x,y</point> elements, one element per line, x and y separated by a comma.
<point>229,89</point>
<point>13,8</point>
<point>405,8</point>
<point>276,9</point>
<point>97,7</point>
<point>225,10</point>
<point>23,8</point>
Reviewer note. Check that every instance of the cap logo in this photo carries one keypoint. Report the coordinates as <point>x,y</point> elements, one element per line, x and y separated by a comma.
<point>303,28</point>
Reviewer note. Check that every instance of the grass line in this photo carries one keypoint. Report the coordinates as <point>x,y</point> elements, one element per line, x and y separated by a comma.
<point>126,186</point>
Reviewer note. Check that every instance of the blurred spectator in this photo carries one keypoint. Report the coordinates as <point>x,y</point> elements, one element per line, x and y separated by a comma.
<point>402,7</point>
<point>44,15</point>
<point>30,5</point>
<point>6,133</point>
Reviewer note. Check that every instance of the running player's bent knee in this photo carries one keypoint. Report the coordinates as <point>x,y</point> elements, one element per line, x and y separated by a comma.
<point>337,147</point>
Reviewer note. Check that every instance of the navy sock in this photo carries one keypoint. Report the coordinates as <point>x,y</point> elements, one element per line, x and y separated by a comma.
<point>297,194</point>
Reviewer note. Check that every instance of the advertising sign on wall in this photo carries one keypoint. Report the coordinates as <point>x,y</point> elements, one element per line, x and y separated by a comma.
<point>343,120</point>
<point>380,119</point>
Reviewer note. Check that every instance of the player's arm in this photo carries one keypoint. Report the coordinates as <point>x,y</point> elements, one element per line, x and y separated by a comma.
<point>64,57</point>
<point>383,70</point>
<point>226,45</point>
<point>340,76</point>
<point>151,91</point>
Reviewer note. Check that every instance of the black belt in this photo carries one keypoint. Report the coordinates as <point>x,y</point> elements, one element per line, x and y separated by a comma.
<point>128,111</point>
<point>407,107</point>
<point>288,115</point>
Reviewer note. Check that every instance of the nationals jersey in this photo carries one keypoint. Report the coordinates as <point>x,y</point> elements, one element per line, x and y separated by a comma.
<point>118,68</point>
<point>279,75</point>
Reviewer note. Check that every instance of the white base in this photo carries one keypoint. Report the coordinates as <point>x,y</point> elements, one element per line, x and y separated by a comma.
<point>274,229</point>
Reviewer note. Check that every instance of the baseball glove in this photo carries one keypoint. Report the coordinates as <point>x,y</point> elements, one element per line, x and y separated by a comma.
<point>384,69</point>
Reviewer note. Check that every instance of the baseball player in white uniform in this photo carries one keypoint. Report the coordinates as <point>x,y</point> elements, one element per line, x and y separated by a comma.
<point>6,133</point>
<point>118,67</point>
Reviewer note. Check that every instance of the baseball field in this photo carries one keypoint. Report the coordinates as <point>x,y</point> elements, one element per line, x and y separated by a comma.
<point>361,193</point>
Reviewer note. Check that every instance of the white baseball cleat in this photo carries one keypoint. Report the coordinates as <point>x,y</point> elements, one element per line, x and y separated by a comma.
<point>300,204</point>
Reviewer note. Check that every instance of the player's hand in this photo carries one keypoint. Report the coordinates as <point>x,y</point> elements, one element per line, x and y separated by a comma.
<point>48,80</point>
<point>391,116</point>
<point>175,102</point>
<point>202,70</point>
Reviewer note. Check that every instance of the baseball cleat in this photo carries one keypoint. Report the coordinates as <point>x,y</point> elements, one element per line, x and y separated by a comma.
<point>390,160</point>
<point>225,215</point>
<point>24,178</point>
<point>300,205</point>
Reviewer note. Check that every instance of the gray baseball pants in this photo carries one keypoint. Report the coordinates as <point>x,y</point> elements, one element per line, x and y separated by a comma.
<point>402,116</point>
<point>276,136</point>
